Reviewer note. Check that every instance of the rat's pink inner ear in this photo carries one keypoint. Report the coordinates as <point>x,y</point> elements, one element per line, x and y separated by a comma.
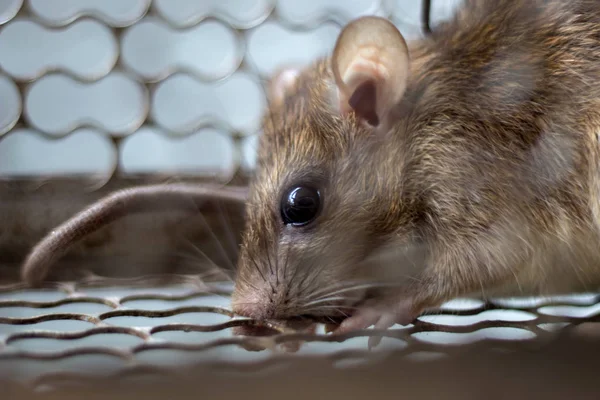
<point>281,83</point>
<point>370,64</point>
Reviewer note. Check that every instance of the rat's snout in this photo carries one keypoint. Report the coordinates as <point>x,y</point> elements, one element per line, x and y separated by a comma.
<point>270,301</point>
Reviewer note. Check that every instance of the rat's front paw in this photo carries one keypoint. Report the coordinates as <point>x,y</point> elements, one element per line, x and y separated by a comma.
<point>382,315</point>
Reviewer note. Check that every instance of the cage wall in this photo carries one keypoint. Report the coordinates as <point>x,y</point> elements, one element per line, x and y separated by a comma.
<point>164,86</point>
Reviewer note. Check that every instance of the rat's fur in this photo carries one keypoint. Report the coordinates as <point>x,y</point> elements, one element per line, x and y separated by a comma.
<point>484,179</point>
<point>486,183</point>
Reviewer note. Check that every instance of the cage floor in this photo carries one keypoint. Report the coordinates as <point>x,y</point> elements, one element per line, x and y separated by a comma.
<point>71,332</point>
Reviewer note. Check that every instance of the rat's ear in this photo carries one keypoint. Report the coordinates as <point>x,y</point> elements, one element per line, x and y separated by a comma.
<point>281,83</point>
<point>370,64</point>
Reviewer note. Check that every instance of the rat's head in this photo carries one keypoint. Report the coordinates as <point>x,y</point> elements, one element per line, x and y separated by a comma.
<point>326,189</point>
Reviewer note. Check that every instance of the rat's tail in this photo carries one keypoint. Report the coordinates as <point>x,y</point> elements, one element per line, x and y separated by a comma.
<point>166,197</point>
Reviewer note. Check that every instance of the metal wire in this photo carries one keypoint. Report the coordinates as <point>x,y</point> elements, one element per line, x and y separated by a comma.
<point>426,16</point>
<point>214,345</point>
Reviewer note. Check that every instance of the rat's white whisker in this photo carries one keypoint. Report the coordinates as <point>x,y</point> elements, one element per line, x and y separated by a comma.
<point>355,288</point>
<point>216,239</point>
<point>341,285</point>
<point>206,257</point>
<point>216,272</point>
<point>226,221</point>
<point>325,307</point>
<point>325,300</point>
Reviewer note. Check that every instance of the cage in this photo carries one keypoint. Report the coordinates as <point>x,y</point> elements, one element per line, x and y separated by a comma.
<point>99,95</point>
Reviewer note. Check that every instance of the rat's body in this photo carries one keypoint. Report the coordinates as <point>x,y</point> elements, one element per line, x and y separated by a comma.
<point>465,163</point>
<point>483,178</point>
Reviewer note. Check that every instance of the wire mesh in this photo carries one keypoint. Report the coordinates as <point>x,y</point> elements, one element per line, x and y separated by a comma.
<point>139,327</point>
<point>151,60</point>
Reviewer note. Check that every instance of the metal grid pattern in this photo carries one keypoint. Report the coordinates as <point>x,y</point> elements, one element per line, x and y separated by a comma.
<point>102,328</point>
<point>95,87</point>
<point>180,80</point>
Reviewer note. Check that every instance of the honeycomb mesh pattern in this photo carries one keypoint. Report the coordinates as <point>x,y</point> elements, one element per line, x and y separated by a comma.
<point>70,333</point>
<point>181,80</point>
<point>222,52</point>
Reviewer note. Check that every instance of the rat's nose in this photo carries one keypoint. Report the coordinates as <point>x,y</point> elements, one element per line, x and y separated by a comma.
<point>260,305</point>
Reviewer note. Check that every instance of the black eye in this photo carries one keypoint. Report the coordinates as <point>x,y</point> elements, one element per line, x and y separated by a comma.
<point>300,205</point>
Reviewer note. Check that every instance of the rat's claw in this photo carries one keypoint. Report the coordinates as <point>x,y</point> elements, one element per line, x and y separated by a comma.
<point>386,321</point>
<point>329,328</point>
<point>382,317</point>
<point>361,320</point>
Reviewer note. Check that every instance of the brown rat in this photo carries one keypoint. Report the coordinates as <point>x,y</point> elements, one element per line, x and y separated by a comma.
<point>393,176</point>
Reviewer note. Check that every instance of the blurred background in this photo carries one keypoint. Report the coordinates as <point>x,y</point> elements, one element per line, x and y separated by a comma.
<point>156,86</point>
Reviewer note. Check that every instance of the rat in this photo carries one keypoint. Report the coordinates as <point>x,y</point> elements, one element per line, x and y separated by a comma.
<point>395,175</point>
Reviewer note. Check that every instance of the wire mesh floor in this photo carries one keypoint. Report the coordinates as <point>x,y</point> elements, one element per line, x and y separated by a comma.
<point>135,327</point>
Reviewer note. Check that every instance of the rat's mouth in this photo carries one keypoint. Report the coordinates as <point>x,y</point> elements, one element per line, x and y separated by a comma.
<point>273,328</point>
<point>270,327</point>
<point>299,324</point>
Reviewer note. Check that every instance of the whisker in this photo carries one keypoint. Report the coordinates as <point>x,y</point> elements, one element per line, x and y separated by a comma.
<point>288,283</point>
<point>324,300</point>
<point>226,220</point>
<point>365,286</point>
<point>255,264</point>
<point>316,274</point>
<point>301,285</point>
<point>266,250</point>
<point>249,302</point>
<point>246,282</point>
<point>320,292</point>
<point>203,254</point>
<point>277,264</point>
<point>218,242</point>
<point>253,260</point>
<point>346,288</point>
<point>324,308</point>
<point>215,271</point>
<point>295,273</point>
<point>324,293</point>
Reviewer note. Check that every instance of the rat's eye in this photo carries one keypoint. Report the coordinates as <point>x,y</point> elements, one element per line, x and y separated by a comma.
<point>300,205</point>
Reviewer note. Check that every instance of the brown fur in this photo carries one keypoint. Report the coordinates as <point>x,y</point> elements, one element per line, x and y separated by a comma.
<point>490,169</point>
